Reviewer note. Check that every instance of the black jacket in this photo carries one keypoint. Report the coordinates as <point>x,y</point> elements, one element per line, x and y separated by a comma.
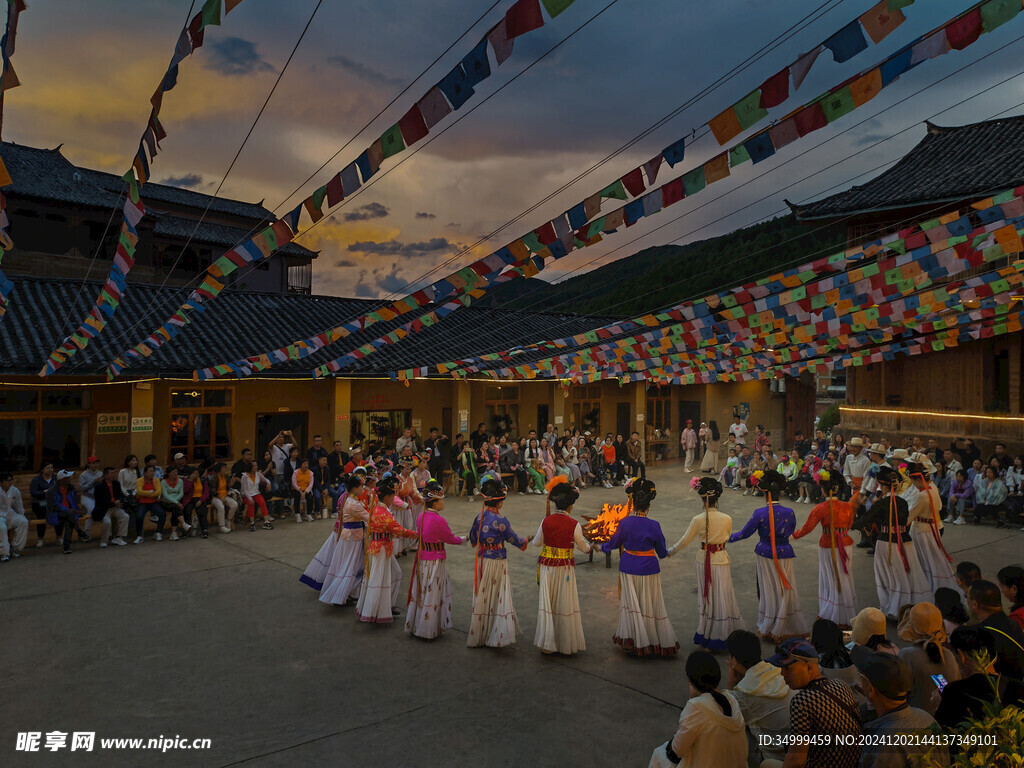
<point>104,499</point>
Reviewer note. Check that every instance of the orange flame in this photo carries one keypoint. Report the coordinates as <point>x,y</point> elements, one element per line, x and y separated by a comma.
<point>603,527</point>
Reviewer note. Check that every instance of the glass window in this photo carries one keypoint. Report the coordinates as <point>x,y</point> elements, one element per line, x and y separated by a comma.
<point>187,399</point>
<point>503,419</point>
<point>17,445</point>
<point>65,441</point>
<point>18,399</point>
<point>65,400</point>
<point>217,398</point>
<point>179,430</point>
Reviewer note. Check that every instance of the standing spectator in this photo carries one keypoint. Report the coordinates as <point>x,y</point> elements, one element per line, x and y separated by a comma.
<point>989,495</point>
<point>922,625</point>
<point>857,464</point>
<point>479,437</point>
<point>280,447</point>
<point>820,705</point>
<point>148,492</point>
<point>891,741</point>
<point>12,518</point>
<point>316,451</point>
<point>984,603</point>
<point>1001,457</point>
<point>277,493</point>
<point>336,460</point>
<point>969,453</point>
<point>440,457</point>
<point>1011,584</point>
<point>762,695</point>
<point>710,730</point>
<point>62,500</point>
<point>549,434</point>
<point>405,440</point>
<point>738,429</point>
<point>688,444</point>
<point>38,490</point>
<point>610,467</point>
<point>800,445</point>
<point>635,455</point>
<point>760,438</point>
<point>709,451</point>
<point>302,491</point>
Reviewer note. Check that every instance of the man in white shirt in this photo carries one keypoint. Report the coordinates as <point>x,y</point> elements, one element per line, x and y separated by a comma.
<point>279,451</point>
<point>857,463</point>
<point>738,430</point>
<point>404,440</point>
<point>12,518</point>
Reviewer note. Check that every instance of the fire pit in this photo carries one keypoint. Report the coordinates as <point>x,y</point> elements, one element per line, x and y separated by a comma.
<point>601,528</point>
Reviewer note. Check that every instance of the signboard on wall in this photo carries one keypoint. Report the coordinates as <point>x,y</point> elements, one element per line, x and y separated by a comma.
<point>558,419</point>
<point>112,424</point>
<point>639,417</point>
<point>743,409</point>
<point>417,423</point>
<point>343,417</point>
<point>142,424</point>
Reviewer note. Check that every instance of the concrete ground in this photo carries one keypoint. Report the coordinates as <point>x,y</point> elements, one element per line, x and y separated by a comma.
<point>218,639</point>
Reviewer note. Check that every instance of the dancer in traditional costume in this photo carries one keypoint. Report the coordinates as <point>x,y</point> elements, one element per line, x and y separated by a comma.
<point>421,476</point>
<point>429,611</point>
<point>411,502</point>
<point>382,576</point>
<point>778,604</point>
<point>716,598</point>
<point>898,575</point>
<point>316,572</point>
<point>926,527</point>
<point>494,620</point>
<point>837,599</point>
<point>559,626</point>
<point>348,560</point>
<point>644,628</point>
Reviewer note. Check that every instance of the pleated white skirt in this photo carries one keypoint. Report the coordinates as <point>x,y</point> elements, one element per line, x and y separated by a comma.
<point>720,615</point>
<point>379,593</point>
<point>345,574</point>
<point>406,520</point>
<point>837,599</point>
<point>935,565</point>
<point>896,586</point>
<point>494,621</point>
<point>778,609</point>
<point>430,609</point>
<point>644,628</point>
<point>559,622</point>
<point>316,572</point>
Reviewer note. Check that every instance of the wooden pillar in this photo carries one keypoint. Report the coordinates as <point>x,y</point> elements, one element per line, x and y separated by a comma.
<point>559,407</point>
<point>1014,360</point>
<point>341,408</point>
<point>463,408</point>
<point>640,413</point>
<point>142,407</point>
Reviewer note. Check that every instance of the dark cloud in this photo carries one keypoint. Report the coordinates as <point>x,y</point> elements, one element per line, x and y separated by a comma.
<point>362,289</point>
<point>362,71</point>
<point>382,280</point>
<point>425,215</point>
<point>344,263</point>
<point>236,56</point>
<point>367,212</point>
<point>187,181</point>
<point>397,248</point>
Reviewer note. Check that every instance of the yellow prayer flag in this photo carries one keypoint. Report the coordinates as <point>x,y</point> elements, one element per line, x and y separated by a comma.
<point>5,177</point>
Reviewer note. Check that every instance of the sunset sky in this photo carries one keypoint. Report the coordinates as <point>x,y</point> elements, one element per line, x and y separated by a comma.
<point>88,68</point>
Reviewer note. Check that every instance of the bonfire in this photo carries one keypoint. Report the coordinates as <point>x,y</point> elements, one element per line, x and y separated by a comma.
<point>603,527</point>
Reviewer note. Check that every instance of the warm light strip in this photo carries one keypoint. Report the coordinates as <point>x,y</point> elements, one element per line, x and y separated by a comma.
<point>931,413</point>
<point>279,380</point>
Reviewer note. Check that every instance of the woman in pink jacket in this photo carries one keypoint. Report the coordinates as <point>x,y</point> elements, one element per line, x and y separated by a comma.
<point>429,611</point>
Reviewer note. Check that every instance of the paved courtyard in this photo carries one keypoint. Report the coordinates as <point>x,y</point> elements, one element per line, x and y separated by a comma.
<point>218,639</point>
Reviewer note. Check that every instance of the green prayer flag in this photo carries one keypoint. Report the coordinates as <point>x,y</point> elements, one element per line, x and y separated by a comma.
<point>999,329</point>
<point>895,5</point>
<point>938,346</point>
<point>836,257</point>
<point>531,241</point>
<point>749,110</point>
<point>798,293</point>
<point>133,191</point>
<point>596,227</point>
<point>729,300</point>
<point>995,13</point>
<point>738,155</point>
<point>225,265</point>
<point>391,141</point>
<point>870,270</point>
<point>318,197</point>
<point>998,286</point>
<point>900,246</point>
<point>694,181</point>
<point>893,276</point>
<point>555,7</point>
<point>993,252</point>
<point>838,103</point>
<point>616,190</point>
<point>211,14</point>
<point>930,224</point>
<point>1003,197</point>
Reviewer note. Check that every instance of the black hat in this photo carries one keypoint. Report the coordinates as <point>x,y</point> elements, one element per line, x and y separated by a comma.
<point>772,482</point>
<point>493,489</point>
<point>563,495</point>
<point>889,675</point>
<point>886,475</point>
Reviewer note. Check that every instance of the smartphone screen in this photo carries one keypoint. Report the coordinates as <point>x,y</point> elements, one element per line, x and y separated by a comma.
<point>940,682</point>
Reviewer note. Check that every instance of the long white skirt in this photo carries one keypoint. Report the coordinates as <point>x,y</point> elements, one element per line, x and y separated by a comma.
<point>494,617</point>
<point>430,610</point>
<point>380,589</point>
<point>710,461</point>
<point>406,520</point>
<point>837,600</point>
<point>644,628</point>
<point>935,565</point>
<point>316,572</point>
<point>414,514</point>
<point>896,586</point>
<point>559,625</point>
<point>345,574</point>
<point>721,615</point>
<point>778,609</point>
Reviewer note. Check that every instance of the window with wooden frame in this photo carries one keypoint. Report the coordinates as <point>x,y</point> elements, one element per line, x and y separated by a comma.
<point>501,410</point>
<point>44,425</point>
<point>586,408</point>
<point>659,408</point>
<point>201,423</point>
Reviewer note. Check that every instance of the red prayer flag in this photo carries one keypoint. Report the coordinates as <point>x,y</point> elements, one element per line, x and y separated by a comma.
<point>412,126</point>
<point>775,89</point>
<point>672,192</point>
<point>965,30</point>
<point>335,193</point>
<point>546,234</point>
<point>195,30</point>
<point>634,182</point>
<point>282,232</point>
<point>810,119</point>
<point>523,17</point>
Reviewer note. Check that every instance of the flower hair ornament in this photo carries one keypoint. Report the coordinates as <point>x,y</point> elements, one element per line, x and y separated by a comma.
<point>822,477</point>
<point>694,482</point>
<point>756,476</point>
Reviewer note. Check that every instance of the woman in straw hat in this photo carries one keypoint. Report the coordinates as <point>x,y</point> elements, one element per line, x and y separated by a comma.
<point>644,628</point>
<point>559,626</point>
<point>778,605</point>
<point>429,611</point>
<point>494,621</point>
<point>716,598</point>
<point>898,575</point>
<point>837,600</point>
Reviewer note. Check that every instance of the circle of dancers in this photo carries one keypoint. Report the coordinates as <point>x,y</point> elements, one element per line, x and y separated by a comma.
<point>383,518</point>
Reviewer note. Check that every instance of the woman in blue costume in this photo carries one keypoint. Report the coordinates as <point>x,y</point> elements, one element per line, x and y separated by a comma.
<point>644,628</point>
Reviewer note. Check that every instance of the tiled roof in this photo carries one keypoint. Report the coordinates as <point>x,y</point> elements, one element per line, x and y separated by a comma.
<point>947,165</point>
<point>214,234</point>
<point>242,323</point>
